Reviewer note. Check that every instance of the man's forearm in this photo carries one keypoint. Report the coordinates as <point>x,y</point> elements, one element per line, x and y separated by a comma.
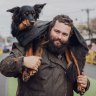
<point>11,66</point>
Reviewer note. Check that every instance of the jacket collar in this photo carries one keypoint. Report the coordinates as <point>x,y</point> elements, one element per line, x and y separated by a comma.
<point>56,60</point>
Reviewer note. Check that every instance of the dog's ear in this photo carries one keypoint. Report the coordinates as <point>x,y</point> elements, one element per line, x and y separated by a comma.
<point>15,9</point>
<point>39,7</point>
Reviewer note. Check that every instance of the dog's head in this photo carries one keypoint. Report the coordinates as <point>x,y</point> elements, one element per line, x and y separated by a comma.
<point>25,16</point>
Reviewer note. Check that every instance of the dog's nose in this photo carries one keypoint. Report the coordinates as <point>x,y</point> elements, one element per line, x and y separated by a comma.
<point>32,22</point>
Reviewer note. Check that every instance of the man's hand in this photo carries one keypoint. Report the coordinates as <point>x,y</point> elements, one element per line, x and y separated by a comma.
<point>32,62</point>
<point>82,80</point>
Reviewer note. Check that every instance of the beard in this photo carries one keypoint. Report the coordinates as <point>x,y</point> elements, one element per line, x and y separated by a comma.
<point>51,47</point>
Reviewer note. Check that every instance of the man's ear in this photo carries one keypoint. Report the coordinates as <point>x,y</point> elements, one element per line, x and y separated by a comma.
<point>15,9</point>
<point>38,8</point>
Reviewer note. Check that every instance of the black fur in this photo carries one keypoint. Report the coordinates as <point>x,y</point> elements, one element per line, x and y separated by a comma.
<point>30,13</point>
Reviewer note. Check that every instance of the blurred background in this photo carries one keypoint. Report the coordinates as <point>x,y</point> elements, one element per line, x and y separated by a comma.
<point>83,13</point>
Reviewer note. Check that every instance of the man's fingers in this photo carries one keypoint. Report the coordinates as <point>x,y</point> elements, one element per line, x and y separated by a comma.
<point>32,61</point>
<point>40,58</point>
<point>39,63</point>
<point>35,68</point>
<point>83,85</point>
<point>82,80</point>
<point>34,71</point>
<point>82,76</point>
<point>83,73</point>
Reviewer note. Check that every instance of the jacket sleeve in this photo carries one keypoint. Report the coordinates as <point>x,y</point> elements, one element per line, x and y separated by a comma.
<point>12,65</point>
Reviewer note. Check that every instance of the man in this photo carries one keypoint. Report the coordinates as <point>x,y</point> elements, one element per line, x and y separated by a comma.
<point>54,73</point>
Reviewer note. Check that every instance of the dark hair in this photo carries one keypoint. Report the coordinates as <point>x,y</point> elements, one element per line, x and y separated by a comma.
<point>63,19</point>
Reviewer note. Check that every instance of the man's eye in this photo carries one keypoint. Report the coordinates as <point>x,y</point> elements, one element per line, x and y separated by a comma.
<point>65,34</point>
<point>57,31</point>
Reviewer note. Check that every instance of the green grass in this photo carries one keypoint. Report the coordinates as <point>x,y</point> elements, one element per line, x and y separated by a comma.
<point>12,86</point>
<point>92,89</point>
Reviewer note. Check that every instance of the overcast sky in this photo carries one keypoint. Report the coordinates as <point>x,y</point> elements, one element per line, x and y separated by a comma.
<point>69,7</point>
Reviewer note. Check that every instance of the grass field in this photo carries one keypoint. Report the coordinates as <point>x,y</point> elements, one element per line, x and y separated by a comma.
<point>12,86</point>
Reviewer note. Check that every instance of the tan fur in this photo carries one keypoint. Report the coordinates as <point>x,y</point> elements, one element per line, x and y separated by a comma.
<point>68,58</point>
<point>82,90</point>
<point>29,52</point>
<point>24,24</point>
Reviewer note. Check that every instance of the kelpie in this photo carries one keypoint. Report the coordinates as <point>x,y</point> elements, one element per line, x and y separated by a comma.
<point>24,17</point>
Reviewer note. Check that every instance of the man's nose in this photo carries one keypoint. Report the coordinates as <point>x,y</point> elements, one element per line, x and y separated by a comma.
<point>59,36</point>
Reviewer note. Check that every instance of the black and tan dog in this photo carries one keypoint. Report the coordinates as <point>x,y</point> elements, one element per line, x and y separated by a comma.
<point>23,20</point>
<point>24,17</point>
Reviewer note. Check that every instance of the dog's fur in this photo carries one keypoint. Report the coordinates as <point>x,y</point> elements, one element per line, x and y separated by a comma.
<point>23,20</point>
<point>24,17</point>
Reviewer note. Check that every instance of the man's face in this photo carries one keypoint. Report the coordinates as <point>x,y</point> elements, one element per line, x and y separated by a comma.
<point>59,34</point>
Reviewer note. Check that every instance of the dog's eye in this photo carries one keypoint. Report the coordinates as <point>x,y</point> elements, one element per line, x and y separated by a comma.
<point>33,13</point>
<point>26,14</point>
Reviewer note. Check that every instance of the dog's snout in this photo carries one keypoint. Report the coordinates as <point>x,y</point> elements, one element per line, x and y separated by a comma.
<point>32,22</point>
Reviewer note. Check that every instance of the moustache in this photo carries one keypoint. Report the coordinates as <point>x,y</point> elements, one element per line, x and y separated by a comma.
<point>56,39</point>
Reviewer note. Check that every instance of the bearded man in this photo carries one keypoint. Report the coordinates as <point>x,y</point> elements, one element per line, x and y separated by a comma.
<point>58,70</point>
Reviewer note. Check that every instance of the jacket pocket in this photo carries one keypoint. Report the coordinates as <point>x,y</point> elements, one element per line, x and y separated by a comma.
<point>45,71</point>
